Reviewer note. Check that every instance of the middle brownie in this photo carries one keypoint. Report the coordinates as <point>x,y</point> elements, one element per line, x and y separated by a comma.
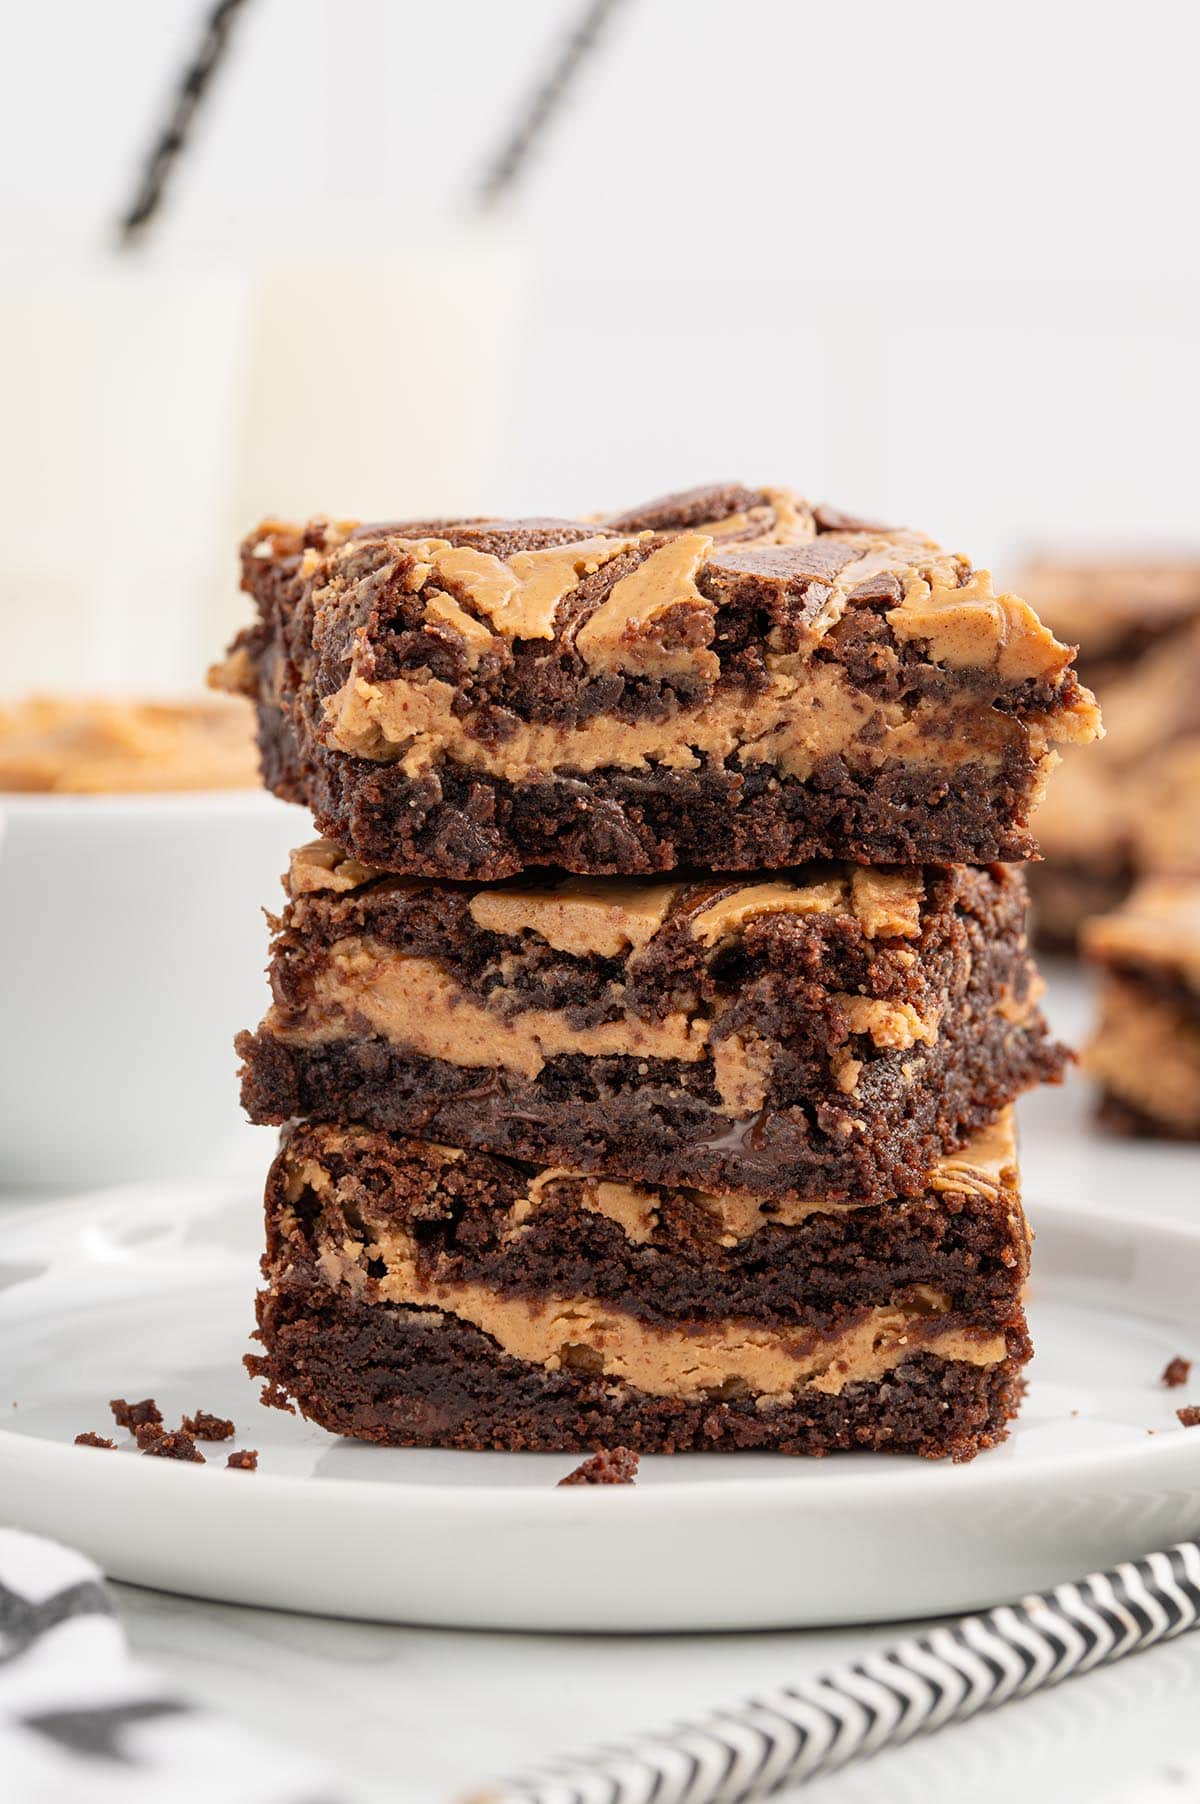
<point>829,1032</point>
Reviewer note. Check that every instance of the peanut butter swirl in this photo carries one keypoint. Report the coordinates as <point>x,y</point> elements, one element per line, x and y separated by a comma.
<point>419,1005</point>
<point>700,1359</point>
<point>641,599</point>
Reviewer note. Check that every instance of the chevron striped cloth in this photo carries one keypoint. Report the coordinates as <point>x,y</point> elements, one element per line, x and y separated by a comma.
<point>82,1723</point>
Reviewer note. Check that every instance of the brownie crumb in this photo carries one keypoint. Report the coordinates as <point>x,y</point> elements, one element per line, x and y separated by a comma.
<point>245,1459</point>
<point>1176,1372</point>
<point>93,1440</point>
<point>134,1415</point>
<point>611,1466</point>
<point>204,1427</point>
<point>175,1445</point>
<point>1189,1415</point>
<point>146,1433</point>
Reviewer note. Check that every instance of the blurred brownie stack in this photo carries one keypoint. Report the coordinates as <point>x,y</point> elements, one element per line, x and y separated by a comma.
<point>1145,1052</point>
<point>1132,809</point>
<point>647,1023</point>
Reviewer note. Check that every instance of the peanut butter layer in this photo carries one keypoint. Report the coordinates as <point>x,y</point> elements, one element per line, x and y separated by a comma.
<point>416,1005</point>
<point>611,917</point>
<point>561,1333</point>
<point>89,745</point>
<point>581,1333</point>
<point>793,723</point>
<point>360,985</point>
<point>936,596</point>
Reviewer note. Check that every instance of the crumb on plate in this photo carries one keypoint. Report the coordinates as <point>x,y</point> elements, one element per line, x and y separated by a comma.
<point>611,1466</point>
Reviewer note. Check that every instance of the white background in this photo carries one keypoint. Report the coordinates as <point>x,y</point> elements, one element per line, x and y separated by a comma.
<point>934,261</point>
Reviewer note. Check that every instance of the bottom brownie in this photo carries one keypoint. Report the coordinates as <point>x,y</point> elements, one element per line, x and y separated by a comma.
<point>417,1378</point>
<point>425,1295</point>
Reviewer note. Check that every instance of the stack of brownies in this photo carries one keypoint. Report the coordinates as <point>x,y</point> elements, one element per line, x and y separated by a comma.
<point>646,1027</point>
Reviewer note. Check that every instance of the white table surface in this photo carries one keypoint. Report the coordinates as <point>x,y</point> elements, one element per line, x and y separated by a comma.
<point>428,1715</point>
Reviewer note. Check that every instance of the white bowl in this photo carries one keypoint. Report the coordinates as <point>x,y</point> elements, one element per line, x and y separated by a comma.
<point>132,949</point>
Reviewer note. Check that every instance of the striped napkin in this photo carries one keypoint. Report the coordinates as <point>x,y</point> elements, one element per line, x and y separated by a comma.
<point>82,1723</point>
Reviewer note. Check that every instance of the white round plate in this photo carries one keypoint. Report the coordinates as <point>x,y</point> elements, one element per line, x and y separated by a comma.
<point>147,1292</point>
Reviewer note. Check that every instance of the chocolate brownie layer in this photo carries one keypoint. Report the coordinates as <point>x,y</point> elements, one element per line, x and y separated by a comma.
<point>825,1033</point>
<point>1145,1053</point>
<point>420,1295</point>
<point>414,1378</point>
<point>420,1222</point>
<point>731,678</point>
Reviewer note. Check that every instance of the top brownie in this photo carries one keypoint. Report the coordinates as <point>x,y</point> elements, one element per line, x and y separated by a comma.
<point>730,678</point>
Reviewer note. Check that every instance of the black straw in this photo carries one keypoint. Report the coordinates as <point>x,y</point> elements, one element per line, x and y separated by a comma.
<point>506,168</point>
<point>173,137</point>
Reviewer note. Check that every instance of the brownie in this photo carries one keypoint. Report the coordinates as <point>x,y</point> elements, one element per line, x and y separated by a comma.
<point>417,1294</point>
<point>1145,1052</point>
<point>731,678</point>
<point>1131,805</point>
<point>1115,609</point>
<point>823,1032</point>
